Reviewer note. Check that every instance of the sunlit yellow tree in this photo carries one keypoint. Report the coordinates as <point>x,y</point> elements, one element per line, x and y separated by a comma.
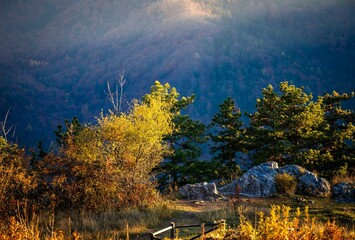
<point>134,143</point>
<point>108,165</point>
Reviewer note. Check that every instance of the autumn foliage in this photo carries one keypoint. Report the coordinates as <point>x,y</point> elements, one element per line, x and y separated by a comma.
<point>280,224</point>
<point>114,163</point>
<point>108,165</point>
<point>16,182</point>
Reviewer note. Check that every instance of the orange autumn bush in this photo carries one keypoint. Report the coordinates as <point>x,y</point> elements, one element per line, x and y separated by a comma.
<point>16,182</point>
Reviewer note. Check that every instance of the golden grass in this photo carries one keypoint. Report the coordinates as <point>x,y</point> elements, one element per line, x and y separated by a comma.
<point>85,225</point>
<point>140,222</point>
<point>346,178</point>
<point>320,209</point>
<point>282,223</point>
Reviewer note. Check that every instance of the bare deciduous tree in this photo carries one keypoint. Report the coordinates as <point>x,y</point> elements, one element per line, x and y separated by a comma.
<point>116,98</point>
<point>4,131</point>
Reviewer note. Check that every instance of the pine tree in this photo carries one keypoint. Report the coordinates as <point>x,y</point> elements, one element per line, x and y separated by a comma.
<point>338,140</point>
<point>286,127</point>
<point>228,137</point>
<point>185,140</point>
<point>72,128</point>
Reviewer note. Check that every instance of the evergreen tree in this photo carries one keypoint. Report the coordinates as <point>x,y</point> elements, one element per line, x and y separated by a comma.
<point>228,138</point>
<point>37,155</point>
<point>339,133</point>
<point>73,128</point>
<point>286,128</point>
<point>178,168</point>
<point>186,139</point>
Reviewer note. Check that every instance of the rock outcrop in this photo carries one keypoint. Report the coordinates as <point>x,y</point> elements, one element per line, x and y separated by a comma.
<point>310,184</point>
<point>344,192</point>
<point>259,181</point>
<point>200,191</point>
<point>293,170</point>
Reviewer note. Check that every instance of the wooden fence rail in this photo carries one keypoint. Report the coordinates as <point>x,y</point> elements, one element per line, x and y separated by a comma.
<point>216,225</point>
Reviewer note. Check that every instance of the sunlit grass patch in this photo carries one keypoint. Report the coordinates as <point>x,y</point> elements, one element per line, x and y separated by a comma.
<point>343,178</point>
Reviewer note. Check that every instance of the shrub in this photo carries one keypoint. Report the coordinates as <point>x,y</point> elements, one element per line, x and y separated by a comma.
<point>332,231</point>
<point>109,165</point>
<point>280,225</point>
<point>68,183</point>
<point>15,230</point>
<point>15,182</point>
<point>343,178</point>
<point>285,184</point>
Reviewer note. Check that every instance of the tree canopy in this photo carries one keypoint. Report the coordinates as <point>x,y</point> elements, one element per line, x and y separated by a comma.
<point>228,138</point>
<point>121,160</point>
<point>291,128</point>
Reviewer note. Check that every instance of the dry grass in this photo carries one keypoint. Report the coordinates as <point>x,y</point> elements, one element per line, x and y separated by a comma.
<point>84,225</point>
<point>346,178</point>
<point>113,224</point>
<point>285,184</point>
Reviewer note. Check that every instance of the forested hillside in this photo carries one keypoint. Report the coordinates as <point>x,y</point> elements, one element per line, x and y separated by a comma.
<point>55,59</point>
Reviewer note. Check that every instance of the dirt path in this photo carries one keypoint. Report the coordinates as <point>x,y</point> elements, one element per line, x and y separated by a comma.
<point>195,213</point>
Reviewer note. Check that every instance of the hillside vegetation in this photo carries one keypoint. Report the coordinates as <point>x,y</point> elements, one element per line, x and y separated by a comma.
<point>55,59</point>
<point>119,162</point>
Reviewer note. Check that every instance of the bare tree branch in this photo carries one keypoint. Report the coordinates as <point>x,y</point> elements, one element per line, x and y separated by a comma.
<point>111,97</point>
<point>121,81</point>
<point>116,98</point>
<point>4,131</point>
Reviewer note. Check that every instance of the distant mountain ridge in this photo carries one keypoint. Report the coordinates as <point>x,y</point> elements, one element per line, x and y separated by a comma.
<point>55,58</point>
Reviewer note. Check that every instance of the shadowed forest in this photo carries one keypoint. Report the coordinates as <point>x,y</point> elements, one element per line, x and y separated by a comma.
<point>55,59</point>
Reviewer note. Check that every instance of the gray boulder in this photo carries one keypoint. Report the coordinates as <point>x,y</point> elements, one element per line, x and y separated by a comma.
<point>344,192</point>
<point>229,189</point>
<point>310,184</point>
<point>293,170</point>
<point>257,182</point>
<point>199,191</point>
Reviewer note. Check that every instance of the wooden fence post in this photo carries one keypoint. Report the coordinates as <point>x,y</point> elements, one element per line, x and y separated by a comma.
<point>127,231</point>
<point>216,225</point>
<point>172,231</point>
<point>203,231</point>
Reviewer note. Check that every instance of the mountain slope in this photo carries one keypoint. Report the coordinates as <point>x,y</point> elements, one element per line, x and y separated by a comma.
<point>55,59</point>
